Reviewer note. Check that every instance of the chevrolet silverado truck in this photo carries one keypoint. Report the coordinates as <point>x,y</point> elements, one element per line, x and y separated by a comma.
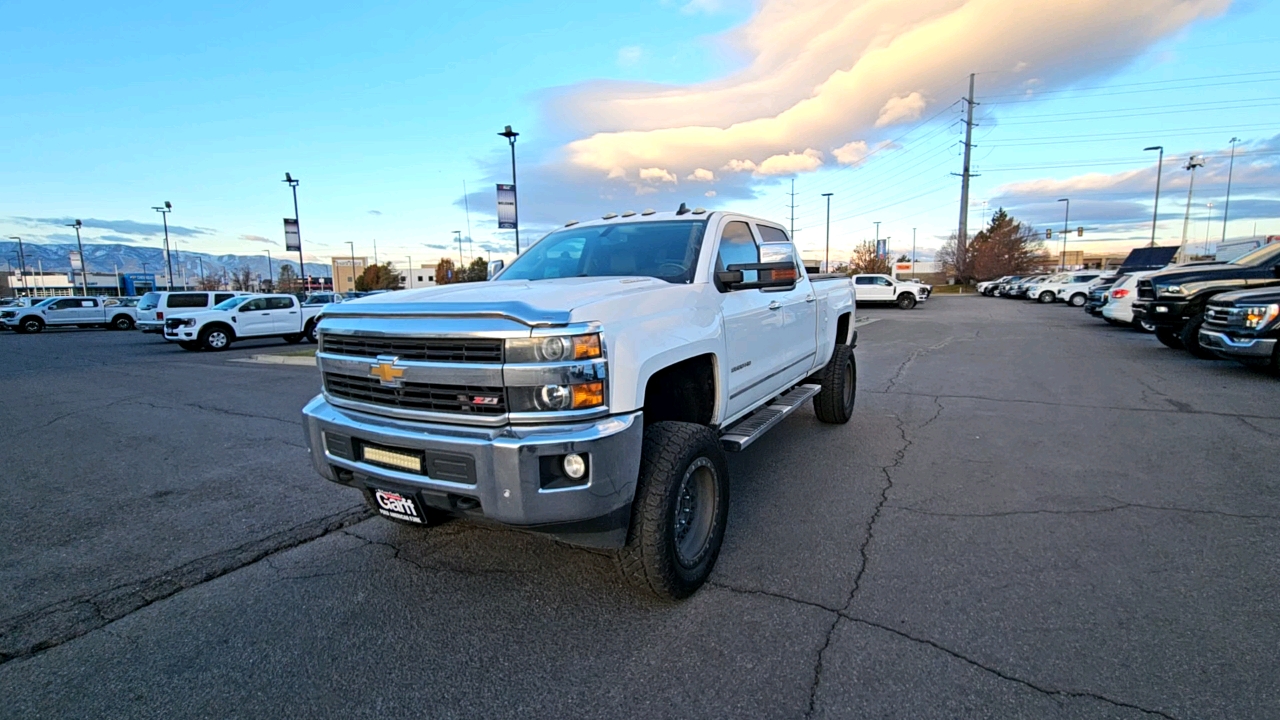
<point>243,317</point>
<point>1175,300</point>
<point>1244,326</point>
<point>590,389</point>
<point>75,311</point>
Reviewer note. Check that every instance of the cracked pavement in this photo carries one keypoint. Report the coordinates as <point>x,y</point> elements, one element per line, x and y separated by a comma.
<point>1032,514</point>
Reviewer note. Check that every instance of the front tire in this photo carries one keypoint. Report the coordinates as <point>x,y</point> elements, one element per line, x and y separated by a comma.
<point>310,333</point>
<point>215,339</point>
<point>834,404</point>
<point>294,339</point>
<point>1046,297</point>
<point>1144,325</point>
<point>30,325</point>
<point>1190,337</point>
<point>906,301</point>
<point>680,510</point>
<point>1168,338</point>
<point>121,322</point>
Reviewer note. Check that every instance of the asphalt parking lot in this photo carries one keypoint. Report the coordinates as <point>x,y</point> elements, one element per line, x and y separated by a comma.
<point>1032,514</point>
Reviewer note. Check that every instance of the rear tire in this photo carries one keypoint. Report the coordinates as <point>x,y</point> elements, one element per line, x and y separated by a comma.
<point>1046,297</point>
<point>121,322</point>
<point>1190,337</point>
<point>906,301</point>
<point>294,339</point>
<point>679,513</point>
<point>1078,300</point>
<point>834,404</point>
<point>1168,338</point>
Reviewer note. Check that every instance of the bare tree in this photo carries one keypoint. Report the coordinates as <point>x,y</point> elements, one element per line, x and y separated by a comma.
<point>242,278</point>
<point>866,260</point>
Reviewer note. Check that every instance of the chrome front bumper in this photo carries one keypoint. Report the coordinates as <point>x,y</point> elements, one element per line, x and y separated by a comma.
<point>1221,343</point>
<point>493,472</point>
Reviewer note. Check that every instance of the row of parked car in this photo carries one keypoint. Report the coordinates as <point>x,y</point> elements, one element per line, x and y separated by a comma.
<point>1210,309</point>
<point>196,320</point>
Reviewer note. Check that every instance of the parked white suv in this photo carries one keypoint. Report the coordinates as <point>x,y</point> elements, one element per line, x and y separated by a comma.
<point>1074,283</point>
<point>243,317</point>
<point>884,289</point>
<point>1118,308</point>
<point>154,307</point>
<point>1076,291</point>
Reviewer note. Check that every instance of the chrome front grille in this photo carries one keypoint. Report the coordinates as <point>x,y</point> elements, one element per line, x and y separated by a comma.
<point>422,397</point>
<point>454,350</point>
<point>1224,316</point>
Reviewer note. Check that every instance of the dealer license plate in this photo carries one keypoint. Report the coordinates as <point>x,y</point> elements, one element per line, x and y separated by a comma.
<point>397,506</point>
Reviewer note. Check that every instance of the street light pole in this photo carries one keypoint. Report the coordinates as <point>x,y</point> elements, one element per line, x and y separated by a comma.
<point>84,278</point>
<point>827,260</point>
<point>1226,207</point>
<point>1155,210</point>
<point>22,264</point>
<point>164,211</point>
<point>913,252</point>
<point>1191,165</point>
<point>1066,223</point>
<point>271,278</point>
<point>511,136</point>
<point>293,185</point>
<point>457,234</point>
<point>1208,228</point>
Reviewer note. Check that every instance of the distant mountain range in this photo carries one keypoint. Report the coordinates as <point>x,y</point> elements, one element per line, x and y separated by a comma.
<point>108,258</point>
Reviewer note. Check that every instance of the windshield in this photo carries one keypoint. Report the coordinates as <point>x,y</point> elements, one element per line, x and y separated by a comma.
<point>666,250</point>
<point>149,301</point>
<point>230,303</point>
<point>1258,257</point>
<point>46,301</point>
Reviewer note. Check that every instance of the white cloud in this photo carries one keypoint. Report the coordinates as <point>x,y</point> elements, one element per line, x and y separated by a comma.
<point>854,153</point>
<point>710,193</point>
<point>817,71</point>
<point>740,166</point>
<point>791,163</point>
<point>701,175</point>
<point>901,109</point>
<point>616,173</point>
<point>630,55</point>
<point>657,174</point>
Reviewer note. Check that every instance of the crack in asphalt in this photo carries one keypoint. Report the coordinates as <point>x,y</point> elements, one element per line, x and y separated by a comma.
<point>44,628</point>
<point>1255,428</point>
<point>1083,406</point>
<point>915,354</point>
<point>1120,505</point>
<point>468,570</point>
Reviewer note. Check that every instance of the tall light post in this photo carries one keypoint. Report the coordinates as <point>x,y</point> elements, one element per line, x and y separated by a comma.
<point>164,211</point>
<point>1192,164</point>
<point>409,275</point>
<point>913,253</point>
<point>84,267</point>
<point>22,263</point>
<point>827,256</point>
<point>1155,210</point>
<point>1226,207</point>
<point>1066,223</point>
<point>1208,228</point>
<point>271,278</point>
<point>511,136</point>
<point>292,182</point>
<point>457,235</point>
<point>877,224</point>
<point>352,245</point>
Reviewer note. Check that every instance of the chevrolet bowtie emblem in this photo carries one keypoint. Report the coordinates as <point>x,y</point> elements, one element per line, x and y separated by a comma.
<point>386,371</point>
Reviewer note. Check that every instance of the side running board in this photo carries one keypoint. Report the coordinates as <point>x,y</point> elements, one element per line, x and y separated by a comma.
<point>752,427</point>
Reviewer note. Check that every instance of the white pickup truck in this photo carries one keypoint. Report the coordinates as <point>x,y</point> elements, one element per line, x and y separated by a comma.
<point>875,288</point>
<point>244,317</point>
<point>75,311</point>
<point>590,389</point>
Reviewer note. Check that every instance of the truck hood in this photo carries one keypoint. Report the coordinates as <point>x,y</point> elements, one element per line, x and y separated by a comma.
<point>1246,298</point>
<point>532,302</point>
<point>1197,273</point>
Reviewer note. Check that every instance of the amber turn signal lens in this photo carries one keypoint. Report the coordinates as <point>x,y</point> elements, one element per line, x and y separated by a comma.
<point>588,395</point>
<point>586,347</point>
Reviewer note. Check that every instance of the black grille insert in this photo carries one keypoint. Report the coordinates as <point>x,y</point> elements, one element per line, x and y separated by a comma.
<point>457,350</point>
<point>418,396</point>
<point>1146,291</point>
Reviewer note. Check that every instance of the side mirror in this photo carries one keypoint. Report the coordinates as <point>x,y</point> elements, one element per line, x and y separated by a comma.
<point>495,267</point>
<point>769,275</point>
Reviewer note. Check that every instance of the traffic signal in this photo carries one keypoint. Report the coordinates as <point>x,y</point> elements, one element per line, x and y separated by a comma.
<point>1048,234</point>
<point>1080,231</point>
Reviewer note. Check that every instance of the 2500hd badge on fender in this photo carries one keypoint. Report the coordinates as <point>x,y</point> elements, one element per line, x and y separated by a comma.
<point>590,390</point>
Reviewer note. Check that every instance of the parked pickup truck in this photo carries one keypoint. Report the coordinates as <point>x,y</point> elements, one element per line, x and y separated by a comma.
<point>884,289</point>
<point>1244,326</point>
<point>591,389</point>
<point>75,311</point>
<point>244,317</point>
<point>1174,300</point>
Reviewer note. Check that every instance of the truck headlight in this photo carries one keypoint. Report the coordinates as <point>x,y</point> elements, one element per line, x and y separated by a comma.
<point>1169,289</point>
<point>560,348</point>
<point>1260,316</point>
<point>555,398</point>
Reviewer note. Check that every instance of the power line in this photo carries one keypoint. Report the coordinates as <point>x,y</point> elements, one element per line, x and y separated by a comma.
<point>1037,95</point>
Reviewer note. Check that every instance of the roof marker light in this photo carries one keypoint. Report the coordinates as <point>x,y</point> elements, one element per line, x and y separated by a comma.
<point>629,213</point>
<point>648,211</point>
<point>699,211</point>
<point>608,216</point>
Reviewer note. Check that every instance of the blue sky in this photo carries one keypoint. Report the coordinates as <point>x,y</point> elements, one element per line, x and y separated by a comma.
<point>385,110</point>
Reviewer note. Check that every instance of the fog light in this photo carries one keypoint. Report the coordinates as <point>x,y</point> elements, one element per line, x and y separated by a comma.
<point>1162,309</point>
<point>574,466</point>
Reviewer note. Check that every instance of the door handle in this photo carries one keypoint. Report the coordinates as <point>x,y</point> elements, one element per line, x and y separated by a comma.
<point>811,299</point>
<point>775,305</point>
